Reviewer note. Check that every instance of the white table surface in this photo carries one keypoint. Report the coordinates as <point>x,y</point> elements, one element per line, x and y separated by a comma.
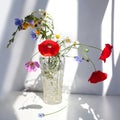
<point>27,106</point>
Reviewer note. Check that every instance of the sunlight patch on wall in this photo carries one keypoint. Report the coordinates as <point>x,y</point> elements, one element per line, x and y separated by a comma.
<point>116,31</point>
<point>70,71</point>
<point>106,38</point>
<point>64,13</point>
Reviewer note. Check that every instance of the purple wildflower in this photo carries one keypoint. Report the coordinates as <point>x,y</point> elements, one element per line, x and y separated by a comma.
<point>31,66</point>
<point>77,58</point>
<point>34,36</point>
<point>41,115</point>
<point>31,22</point>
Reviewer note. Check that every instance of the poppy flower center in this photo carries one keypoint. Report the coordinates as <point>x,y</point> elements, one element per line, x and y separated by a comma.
<point>49,46</point>
<point>31,64</point>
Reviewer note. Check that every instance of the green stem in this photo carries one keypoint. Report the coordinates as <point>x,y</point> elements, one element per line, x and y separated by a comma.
<point>34,55</point>
<point>55,111</point>
<point>13,38</point>
<point>88,46</point>
<point>37,12</point>
<point>67,48</point>
<point>91,62</point>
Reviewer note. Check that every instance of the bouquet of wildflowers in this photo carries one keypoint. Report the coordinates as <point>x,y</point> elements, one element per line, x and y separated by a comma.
<point>52,46</point>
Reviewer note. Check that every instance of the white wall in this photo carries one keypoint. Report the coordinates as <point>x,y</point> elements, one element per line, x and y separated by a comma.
<point>94,22</point>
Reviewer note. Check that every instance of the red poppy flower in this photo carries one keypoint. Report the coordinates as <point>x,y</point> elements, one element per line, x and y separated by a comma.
<point>97,76</point>
<point>49,48</point>
<point>106,52</point>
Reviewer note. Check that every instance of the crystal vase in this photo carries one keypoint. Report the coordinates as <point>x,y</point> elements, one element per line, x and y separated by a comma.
<point>52,72</point>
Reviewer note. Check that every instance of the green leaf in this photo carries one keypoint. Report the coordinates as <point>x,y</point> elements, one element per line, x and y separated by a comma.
<point>29,17</point>
<point>14,33</point>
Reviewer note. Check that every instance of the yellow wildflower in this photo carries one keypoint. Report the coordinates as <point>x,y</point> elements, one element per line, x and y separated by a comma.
<point>25,26</point>
<point>75,43</point>
<point>38,32</point>
<point>67,40</point>
<point>57,36</point>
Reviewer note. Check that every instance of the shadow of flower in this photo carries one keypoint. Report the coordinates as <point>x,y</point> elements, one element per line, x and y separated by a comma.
<point>32,106</point>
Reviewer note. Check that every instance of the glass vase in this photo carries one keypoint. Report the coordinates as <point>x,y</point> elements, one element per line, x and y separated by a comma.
<point>52,72</point>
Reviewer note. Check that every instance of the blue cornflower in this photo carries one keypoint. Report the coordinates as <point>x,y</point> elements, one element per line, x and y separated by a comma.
<point>41,115</point>
<point>77,58</point>
<point>34,36</point>
<point>18,21</point>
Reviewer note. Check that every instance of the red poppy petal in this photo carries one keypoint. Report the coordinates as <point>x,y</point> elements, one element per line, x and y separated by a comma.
<point>97,76</point>
<point>106,52</point>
